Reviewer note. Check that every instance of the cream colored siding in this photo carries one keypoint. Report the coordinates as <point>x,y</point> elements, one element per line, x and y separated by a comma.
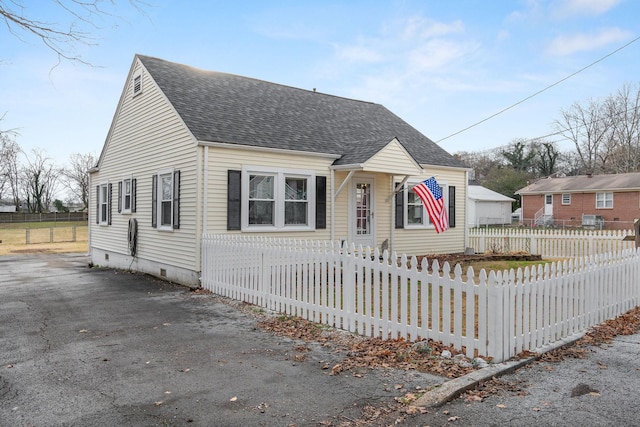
<point>147,136</point>
<point>392,159</point>
<point>221,160</point>
<point>342,207</point>
<point>427,241</point>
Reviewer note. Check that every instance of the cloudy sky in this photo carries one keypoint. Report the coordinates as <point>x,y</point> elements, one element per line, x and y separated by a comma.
<point>442,66</point>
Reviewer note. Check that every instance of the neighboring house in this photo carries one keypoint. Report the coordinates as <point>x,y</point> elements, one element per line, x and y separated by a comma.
<point>595,201</point>
<point>487,207</point>
<point>192,152</point>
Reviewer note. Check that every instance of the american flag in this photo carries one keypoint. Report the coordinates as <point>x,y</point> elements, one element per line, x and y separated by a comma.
<point>431,195</point>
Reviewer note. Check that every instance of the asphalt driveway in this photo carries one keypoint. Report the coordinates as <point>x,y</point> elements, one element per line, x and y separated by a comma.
<point>83,346</point>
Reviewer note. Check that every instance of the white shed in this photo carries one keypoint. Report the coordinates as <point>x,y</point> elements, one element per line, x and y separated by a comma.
<point>486,207</point>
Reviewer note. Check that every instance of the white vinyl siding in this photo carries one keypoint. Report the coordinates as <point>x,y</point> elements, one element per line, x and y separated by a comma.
<point>427,241</point>
<point>277,199</point>
<point>264,163</point>
<point>140,126</point>
<point>392,159</point>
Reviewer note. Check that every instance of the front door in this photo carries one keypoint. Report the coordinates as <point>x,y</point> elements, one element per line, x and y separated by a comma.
<point>362,224</point>
<point>548,204</point>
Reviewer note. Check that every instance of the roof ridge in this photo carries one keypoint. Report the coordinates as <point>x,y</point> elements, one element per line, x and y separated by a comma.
<point>255,79</point>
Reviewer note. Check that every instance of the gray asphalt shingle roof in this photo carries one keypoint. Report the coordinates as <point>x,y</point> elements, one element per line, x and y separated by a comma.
<point>220,107</point>
<point>584,183</point>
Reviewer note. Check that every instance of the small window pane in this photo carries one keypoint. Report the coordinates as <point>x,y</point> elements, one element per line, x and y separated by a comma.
<point>127,195</point>
<point>260,212</point>
<point>414,209</point>
<point>295,213</point>
<point>260,187</point>
<point>296,188</point>
<point>166,212</point>
<point>566,199</point>
<point>167,187</point>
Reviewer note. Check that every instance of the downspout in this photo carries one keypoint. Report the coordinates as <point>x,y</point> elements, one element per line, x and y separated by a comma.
<point>466,200</point>
<point>392,223</point>
<point>333,204</point>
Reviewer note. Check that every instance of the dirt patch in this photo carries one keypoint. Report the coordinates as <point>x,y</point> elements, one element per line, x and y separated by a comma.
<point>461,258</point>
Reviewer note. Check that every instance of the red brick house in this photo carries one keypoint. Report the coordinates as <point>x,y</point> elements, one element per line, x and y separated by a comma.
<point>592,201</point>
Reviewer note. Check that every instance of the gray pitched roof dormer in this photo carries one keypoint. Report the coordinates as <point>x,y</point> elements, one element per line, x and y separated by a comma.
<point>225,108</point>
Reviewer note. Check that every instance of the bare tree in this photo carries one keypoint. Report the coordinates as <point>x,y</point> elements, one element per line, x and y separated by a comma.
<point>76,176</point>
<point>624,108</point>
<point>9,167</point>
<point>39,178</point>
<point>589,127</point>
<point>83,18</point>
<point>481,163</point>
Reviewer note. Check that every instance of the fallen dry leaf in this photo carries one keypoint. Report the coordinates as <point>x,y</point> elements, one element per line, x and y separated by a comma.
<point>501,406</point>
<point>454,418</point>
<point>158,403</point>
<point>536,409</point>
<point>233,399</point>
<point>336,369</point>
<point>82,331</point>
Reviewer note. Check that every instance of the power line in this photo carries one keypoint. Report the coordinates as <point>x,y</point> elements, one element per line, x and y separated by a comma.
<point>539,92</point>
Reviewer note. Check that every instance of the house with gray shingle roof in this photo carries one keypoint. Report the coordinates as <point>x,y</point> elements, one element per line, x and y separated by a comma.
<point>603,201</point>
<point>191,152</point>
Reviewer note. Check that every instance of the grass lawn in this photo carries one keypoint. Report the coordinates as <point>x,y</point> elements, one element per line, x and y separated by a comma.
<point>13,237</point>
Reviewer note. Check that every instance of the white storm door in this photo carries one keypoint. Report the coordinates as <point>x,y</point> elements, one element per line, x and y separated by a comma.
<point>548,204</point>
<point>362,224</point>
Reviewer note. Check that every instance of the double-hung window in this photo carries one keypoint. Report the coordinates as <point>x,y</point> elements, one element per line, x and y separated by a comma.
<point>604,200</point>
<point>165,212</point>
<point>410,212</point>
<point>103,204</point>
<point>127,196</point>
<point>277,199</point>
<point>416,214</point>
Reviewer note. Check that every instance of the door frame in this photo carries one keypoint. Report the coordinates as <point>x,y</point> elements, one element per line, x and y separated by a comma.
<point>353,237</point>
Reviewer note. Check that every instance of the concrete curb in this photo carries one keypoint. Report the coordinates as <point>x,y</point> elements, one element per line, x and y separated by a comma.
<point>453,388</point>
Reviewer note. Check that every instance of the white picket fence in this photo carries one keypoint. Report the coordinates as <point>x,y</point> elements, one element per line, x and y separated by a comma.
<point>496,315</point>
<point>550,243</point>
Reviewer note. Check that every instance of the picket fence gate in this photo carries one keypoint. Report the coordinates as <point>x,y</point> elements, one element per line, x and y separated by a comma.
<point>495,315</point>
<point>550,243</point>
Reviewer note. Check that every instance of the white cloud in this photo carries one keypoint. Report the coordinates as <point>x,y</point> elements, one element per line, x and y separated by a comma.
<point>418,27</point>
<point>435,55</point>
<point>569,44</point>
<point>570,8</point>
<point>358,53</point>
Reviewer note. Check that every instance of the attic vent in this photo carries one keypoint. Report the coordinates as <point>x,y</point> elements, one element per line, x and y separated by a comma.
<point>137,84</point>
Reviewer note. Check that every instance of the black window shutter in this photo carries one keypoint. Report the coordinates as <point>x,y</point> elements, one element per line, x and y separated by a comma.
<point>176,199</point>
<point>119,196</point>
<point>133,195</point>
<point>110,204</point>
<point>321,202</point>
<point>452,206</point>
<point>97,204</point>
<point>400,208</point>
<point>154,201</point>
<point>234,199</point>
